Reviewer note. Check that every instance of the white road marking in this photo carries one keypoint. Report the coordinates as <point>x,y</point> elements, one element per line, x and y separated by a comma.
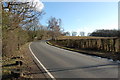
<point>51,76</point>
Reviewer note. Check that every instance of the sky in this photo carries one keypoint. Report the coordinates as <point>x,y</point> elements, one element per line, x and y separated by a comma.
<point>83,16</point>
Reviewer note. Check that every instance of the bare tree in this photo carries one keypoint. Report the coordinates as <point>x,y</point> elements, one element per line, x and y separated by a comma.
<point>88,34</point>
<point>66,33</point>
<point>16,17</point>
<point>20,14</point>
<point>82,33</point>
<point>54,25</point>
<point>74,33</point>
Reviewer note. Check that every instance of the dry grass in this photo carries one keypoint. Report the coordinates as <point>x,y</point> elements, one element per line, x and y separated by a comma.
<point>29,69</point>
<point>7,62</point>
<point>82,37</point>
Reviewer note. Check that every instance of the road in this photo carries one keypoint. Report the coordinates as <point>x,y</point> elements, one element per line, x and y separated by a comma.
<point>67,64</point>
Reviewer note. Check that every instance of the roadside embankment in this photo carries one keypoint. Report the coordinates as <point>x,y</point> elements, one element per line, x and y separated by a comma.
<point>21,65</point>
<point>102,47</point>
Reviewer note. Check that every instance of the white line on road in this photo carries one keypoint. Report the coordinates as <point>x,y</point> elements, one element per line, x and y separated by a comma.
<point>51,76</point>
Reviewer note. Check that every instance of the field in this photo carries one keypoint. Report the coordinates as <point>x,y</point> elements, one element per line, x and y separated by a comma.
<point>82,37</point>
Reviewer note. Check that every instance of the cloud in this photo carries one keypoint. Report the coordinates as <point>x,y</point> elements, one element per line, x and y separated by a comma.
<point>37,3</point>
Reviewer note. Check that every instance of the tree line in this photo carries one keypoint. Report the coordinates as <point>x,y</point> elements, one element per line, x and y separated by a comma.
<point>21,24</point>
<point>106,33</point>
<point>97,33</point>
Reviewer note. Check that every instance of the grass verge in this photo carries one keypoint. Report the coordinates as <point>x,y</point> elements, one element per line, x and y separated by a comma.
<point>9,64</point>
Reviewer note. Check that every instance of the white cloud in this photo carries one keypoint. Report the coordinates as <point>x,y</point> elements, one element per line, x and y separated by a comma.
<point>37,3</point>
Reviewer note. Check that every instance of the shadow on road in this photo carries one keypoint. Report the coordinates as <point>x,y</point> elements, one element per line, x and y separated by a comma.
<point>104,66</point>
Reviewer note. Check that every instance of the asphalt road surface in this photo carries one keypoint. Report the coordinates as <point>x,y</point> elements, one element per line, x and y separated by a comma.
<point>67,64</point>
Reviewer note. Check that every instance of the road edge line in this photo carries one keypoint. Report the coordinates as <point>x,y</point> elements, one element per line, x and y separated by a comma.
<point>51,76</point>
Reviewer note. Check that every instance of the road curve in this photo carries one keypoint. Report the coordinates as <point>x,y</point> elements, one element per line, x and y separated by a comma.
<point>67,64</point>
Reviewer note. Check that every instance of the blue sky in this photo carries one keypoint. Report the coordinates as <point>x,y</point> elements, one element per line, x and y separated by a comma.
<point>83,16</point>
